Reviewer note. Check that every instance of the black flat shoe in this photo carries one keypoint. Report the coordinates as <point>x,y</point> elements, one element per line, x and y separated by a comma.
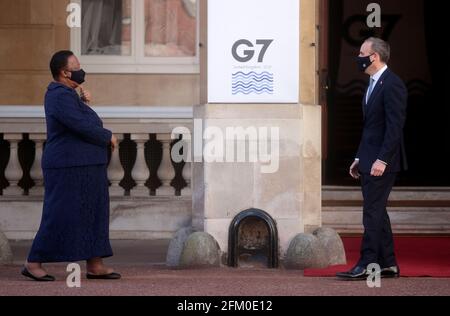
<point>110,276</point>
<point>45,278</point>
<point>357,273</point>
<point>391,272</point>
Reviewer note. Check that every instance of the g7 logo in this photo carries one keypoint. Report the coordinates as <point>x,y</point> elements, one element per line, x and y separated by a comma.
<point>249,53</point>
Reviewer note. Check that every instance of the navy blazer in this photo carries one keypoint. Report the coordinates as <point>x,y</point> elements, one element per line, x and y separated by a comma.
<point>384,119</point>
<point>75,133</point>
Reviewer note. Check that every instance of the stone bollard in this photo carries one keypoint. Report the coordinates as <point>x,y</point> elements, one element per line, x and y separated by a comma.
<point>200,250</point>
<point>6,256</point>
<point>305,252</point>
<point>332,244</point>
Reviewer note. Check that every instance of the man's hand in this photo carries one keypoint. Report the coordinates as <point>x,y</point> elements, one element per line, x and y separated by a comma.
<point>114,142</point>
<point>378,169</point>
<point>85,95</point>
<point>354,170</point>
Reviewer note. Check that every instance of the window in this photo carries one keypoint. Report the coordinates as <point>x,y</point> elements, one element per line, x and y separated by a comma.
<point>137,36</point>
<point>106,27</point>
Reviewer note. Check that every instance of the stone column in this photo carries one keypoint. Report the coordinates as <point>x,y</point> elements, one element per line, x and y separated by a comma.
<point>291,195</point>
<point>165,171</point>
<point>36,169</point>
<point>187,174</point>
<point>13,171</point>
<point>140,171</point>
<point>115,171</point>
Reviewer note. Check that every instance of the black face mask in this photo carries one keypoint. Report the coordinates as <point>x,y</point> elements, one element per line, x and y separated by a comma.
<point>78,76</point>
<point>364,62</point>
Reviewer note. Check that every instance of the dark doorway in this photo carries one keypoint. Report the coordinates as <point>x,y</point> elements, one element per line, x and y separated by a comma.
<point>415,29</point>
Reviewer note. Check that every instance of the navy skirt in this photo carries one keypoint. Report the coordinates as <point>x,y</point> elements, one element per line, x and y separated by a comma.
<point>75,218</point>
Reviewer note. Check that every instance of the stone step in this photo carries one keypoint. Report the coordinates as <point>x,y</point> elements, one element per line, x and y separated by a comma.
<point>420,194</point>
<point>421,210</point>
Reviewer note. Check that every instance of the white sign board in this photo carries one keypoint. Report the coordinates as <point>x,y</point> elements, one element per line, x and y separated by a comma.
<point>253,51</point>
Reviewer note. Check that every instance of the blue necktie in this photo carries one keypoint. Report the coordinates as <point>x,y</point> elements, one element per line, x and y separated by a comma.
<point>370,90</point>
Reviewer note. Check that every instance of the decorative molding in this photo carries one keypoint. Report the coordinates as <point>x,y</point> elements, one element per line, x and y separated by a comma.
<point>107,112</point>
<point>141,68</point>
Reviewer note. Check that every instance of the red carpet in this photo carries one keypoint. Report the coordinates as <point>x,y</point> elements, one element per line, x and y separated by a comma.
<point>416,256</point>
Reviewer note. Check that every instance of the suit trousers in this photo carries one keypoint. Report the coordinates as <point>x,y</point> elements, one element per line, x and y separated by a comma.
<point>378,243</point>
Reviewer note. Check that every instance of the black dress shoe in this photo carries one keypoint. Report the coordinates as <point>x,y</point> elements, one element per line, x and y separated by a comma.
<point>45,278</point>
<point>391,272</point>
<point>110,276</point>
<point>357,273</point>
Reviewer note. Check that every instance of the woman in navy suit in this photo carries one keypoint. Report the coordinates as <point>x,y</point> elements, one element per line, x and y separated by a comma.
<point>75,219</point>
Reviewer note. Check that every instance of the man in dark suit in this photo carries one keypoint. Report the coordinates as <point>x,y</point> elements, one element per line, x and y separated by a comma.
<point>379,158</point>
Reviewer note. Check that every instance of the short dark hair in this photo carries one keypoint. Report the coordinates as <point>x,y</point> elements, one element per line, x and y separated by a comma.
<point>59,61</point>
<point>380,47</point>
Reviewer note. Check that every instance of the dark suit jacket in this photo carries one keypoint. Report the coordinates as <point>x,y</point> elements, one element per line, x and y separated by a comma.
<point>384,119</point>
<point>75,133</point>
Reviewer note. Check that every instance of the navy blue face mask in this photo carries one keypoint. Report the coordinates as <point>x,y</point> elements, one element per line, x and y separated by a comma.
<point>78,76</point>
<point>364,62</point>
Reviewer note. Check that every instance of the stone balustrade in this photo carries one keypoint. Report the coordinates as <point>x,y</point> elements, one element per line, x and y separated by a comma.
<point>150,194</point>
<point>142,166</point>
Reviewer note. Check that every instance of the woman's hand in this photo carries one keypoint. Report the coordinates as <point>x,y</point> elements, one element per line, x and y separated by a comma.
<point>86,96</point>
<point>114,142</point>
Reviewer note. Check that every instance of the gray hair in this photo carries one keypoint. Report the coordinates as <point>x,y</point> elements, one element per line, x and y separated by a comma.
<point>380,47</point>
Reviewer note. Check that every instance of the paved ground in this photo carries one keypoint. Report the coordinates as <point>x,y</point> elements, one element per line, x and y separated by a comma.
<point>141,264</point>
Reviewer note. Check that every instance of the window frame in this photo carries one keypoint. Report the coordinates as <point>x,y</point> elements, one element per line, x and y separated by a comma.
<point>137,62</point>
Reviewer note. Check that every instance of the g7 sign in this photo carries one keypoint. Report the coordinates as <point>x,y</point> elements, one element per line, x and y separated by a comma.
<point>255,58</point>
<point>250,53</point>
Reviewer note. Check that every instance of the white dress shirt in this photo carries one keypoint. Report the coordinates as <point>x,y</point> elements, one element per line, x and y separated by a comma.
<point>375,78</point>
